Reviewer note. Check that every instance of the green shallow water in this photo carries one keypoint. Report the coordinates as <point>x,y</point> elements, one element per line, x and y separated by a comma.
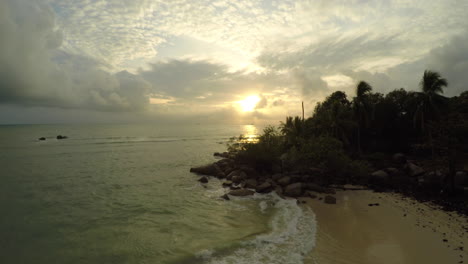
<point>119,194</point>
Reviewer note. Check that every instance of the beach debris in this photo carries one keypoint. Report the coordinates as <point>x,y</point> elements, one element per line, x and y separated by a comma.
<point>203,179</point>
<point>329,199</point>
<point>241,192</point>
<point>42,138</point>
<point>293,190</point>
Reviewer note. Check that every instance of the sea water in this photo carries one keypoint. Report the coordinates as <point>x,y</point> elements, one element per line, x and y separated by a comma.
<point>124,194</point>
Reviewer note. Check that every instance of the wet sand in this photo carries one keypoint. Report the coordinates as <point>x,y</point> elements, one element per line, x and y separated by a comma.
<point>398,230</point>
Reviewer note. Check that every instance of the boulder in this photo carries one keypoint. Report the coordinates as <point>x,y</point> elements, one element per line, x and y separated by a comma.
<point>293,190</point>
<point>413,170</point>
<point>227,184</point>
<point>249,172</point>
<point>329,199</point>
<point>42,138</point>
<point>203,179</point>
<point>276,176</point>
<point>241,192</point>
<point>239,177</point>
<point>399,158</point>
<point>210,170</point>
<point>279,190</point>
<point>379,177</point>
<point>221,154</point>
<point>284,180</point>
<point>264,187</point>
<point>461,178</point>
<point>432,179</point>
<point>250,184</point>
<point>225,197</point>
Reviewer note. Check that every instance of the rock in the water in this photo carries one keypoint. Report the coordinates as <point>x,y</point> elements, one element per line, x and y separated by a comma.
<point>225,197</point>
<point>241,192</point>
<point>461,178</point>
<point>413,169</point>
<point>222,155</point>
<point>399,158</point>
<point>250,184</point>
<point>203,179</point>
<point>61,137</point>
<point>238,178</point>
<point>264,187</point>
<point>42,138</point>
<point>211,170</point>
<point>329,199</point>
<point>284,180</point>
<point>227,183</point>
<point>293,190</point>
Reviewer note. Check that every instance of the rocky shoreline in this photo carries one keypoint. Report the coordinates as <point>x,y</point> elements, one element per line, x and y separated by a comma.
<point>404,176</point>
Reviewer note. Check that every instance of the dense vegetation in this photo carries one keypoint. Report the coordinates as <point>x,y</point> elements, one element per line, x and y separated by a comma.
<point>351,137</point>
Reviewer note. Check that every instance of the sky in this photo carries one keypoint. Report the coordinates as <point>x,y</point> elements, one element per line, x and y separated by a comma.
<point>202,61</point>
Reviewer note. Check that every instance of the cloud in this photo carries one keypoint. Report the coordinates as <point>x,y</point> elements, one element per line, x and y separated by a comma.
<point>34,72</point>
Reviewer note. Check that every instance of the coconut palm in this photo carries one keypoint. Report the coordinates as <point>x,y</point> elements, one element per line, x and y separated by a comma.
<point>430,99</point>
<point>292,129</point>
<point>361,107</point>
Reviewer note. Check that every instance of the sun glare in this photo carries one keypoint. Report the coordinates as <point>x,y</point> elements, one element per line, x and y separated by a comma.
<point>249,103</point>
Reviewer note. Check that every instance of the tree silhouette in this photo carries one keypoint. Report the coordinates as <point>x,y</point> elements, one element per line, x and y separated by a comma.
<point>361,107</point>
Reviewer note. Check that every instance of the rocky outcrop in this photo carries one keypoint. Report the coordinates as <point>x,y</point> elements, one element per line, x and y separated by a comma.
<point>210,170</point>
<point>241,192</point>
<point>294,190</point>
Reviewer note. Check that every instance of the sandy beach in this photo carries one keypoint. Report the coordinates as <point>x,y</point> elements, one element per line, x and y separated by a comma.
<point>397,230</point>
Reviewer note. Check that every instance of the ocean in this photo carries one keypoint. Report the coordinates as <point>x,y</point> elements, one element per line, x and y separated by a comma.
<point>123,194</point>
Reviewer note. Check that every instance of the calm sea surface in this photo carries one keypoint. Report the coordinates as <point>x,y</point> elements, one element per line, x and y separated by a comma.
<point>124,194</point>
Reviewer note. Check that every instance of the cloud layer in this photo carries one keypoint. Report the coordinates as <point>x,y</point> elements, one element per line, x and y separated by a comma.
<point>198,59</point>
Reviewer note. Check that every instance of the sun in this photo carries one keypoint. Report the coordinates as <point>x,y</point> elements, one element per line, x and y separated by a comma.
<point>249,103</point>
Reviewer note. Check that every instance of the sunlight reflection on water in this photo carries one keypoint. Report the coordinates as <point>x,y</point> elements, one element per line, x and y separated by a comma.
<point>250,133</point>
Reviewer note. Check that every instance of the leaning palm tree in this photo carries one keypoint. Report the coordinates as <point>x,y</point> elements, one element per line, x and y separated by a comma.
<point>361,108</point>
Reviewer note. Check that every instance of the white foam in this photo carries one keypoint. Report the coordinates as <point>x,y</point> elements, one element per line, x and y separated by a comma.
<point>291,239</point>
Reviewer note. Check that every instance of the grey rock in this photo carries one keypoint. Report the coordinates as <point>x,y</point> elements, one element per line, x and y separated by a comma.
<point>250,183</point>
<point>227,184</point>
<point>293,190</point>
<point>284,180</point>
<point>211,170</point>
<point>264,187</point>
<point>413,170</point>
<point>276,176</point>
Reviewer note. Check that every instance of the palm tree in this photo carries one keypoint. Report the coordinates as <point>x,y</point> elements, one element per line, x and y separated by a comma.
<point>292,129</point>
<point>361,108</point>
<point>430,100</point>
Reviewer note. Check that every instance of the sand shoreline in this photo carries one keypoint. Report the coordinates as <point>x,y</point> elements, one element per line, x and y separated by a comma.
<point>399,230</point>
